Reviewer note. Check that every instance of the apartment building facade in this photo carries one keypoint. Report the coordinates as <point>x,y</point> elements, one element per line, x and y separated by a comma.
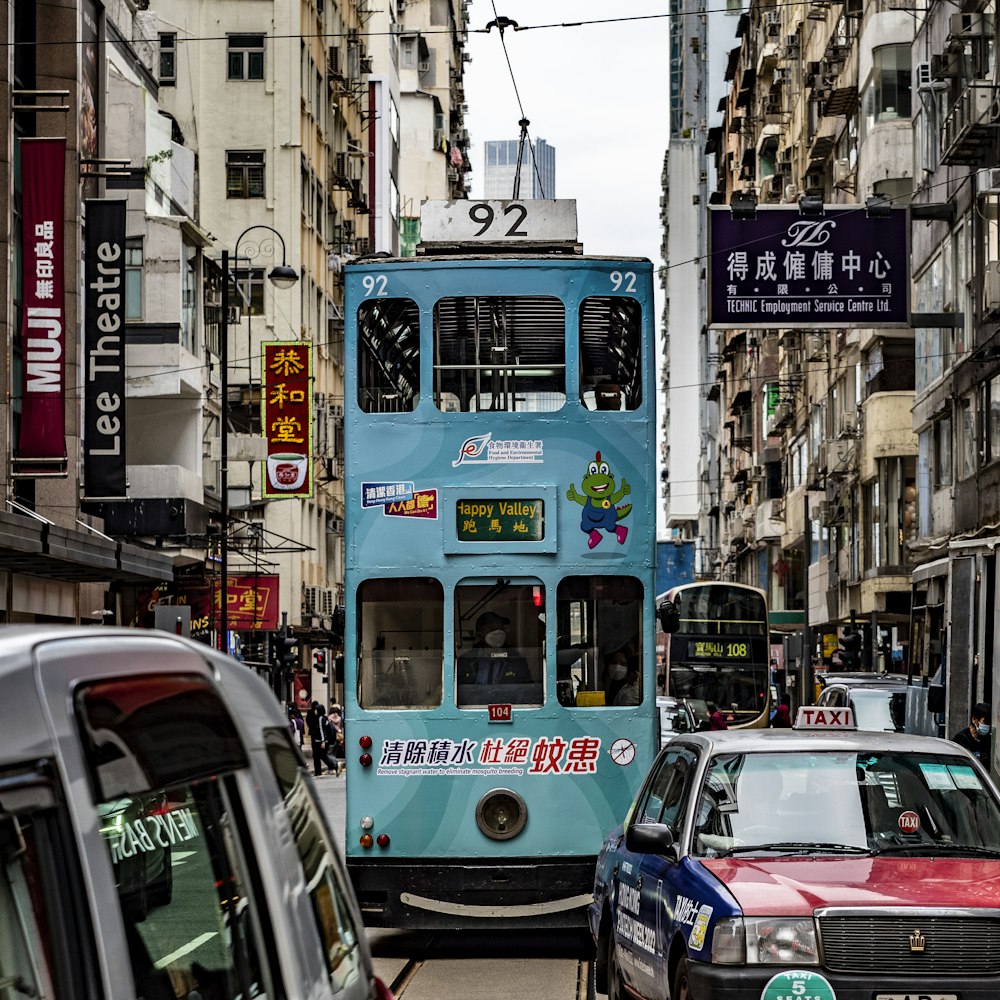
<point>855,463</point>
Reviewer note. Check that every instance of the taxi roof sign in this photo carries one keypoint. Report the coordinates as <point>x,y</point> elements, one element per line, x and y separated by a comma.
<point>822,717</point>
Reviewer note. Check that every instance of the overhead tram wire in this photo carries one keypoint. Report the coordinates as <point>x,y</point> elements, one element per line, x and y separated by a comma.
<point>501,23</point>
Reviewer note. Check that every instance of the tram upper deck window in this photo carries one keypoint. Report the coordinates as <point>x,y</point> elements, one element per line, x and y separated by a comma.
<point>499,643</point>
<point>500,354</point>
<point>400,643</point>
<point>610,353</point>
<point>388,355</point>
<point>599,656</point>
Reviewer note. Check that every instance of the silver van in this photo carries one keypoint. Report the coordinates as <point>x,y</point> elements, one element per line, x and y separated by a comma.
<point>159,834</point>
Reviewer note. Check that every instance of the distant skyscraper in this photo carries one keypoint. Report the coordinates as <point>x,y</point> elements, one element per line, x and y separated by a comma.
<point>501,163</point>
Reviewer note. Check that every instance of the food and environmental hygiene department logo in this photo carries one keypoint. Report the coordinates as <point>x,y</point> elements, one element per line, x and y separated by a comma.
<point>483,449</point>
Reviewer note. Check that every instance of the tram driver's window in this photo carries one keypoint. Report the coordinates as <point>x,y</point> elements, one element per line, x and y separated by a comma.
<point>400,643</point>
<point>610,353</point>
<point>497,353</point>
<point>388,355</point>
<point>499,643</point>
<point>599,653</point>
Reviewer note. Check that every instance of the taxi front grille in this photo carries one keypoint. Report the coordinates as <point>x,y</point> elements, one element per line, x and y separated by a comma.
<point>956,945</point>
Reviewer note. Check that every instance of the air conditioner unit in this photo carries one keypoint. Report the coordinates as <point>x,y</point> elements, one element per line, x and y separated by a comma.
<point>988,180</point>
<point>791,192</point>
<point>362,245</point>
<point>814,182</point>
<point>757,472</point>
<point>923,75</point>
<point>337,410</point>
<point>841,171</point>
<point>310,600</point>
<point>946,65</point>
<point>991,287</point>
<point>971,25</point>
<point>772,22</point>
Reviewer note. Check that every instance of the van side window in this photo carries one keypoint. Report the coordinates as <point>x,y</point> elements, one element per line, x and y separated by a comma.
<point>324,879</point>
<point>25,942</point>
<point>179,847</point>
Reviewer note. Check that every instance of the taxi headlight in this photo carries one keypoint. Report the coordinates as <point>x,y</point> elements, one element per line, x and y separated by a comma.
<point>781,941</point>
<point>764,941</point>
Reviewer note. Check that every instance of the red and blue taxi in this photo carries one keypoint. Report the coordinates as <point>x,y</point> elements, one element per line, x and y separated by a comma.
<point>809,865</point>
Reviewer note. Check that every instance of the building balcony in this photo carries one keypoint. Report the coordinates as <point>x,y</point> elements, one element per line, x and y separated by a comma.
<point>968,132</point>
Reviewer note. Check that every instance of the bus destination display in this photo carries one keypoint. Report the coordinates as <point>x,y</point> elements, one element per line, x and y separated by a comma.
<point>724,648</point>
<point>496,520</point>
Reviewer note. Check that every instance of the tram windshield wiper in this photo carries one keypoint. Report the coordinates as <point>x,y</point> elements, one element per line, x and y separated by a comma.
<point>795,847</point>
<point>940,848</point>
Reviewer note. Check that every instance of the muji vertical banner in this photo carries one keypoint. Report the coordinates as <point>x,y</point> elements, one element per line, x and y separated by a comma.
<point>104,351</point>
<point>41,446</point>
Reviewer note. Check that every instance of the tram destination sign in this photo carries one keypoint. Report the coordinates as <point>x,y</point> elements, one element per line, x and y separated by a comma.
<point>534,220</point>
<point>782,269</point>
<point>500,520</point>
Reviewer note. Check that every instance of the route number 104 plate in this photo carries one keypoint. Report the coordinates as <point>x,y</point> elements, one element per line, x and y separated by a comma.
<point>916,996</point>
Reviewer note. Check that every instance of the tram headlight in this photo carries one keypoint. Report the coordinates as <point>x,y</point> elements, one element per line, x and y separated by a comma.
<point>501,814</point>
<point>765,941</point>
<point>367,822</point>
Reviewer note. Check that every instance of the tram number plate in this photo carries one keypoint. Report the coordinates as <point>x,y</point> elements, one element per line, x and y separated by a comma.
<point>499,713</point>
<point>916,996</point>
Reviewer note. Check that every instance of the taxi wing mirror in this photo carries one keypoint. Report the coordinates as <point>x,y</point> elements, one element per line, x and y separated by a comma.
<point>669,616</point>
<point>650,838</point>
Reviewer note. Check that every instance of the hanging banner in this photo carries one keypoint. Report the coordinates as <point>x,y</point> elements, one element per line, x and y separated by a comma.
<point>781,269</point>
<point>287,418</point>
<point>41,446</point>
<point>104,351</point>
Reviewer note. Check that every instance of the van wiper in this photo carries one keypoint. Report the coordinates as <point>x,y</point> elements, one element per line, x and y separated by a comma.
<point>986,852</point>
<point>795,847</point>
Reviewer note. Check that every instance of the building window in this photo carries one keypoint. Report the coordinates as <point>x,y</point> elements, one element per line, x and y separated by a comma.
<point>942,453</point>
<point>244,173</point>
<point>966,437</point>
<point>168,57</point>
<point>249,293</point>
<point>888,94</point>
<point>133,278</point>
<point>993,410</point>
<point>245,57</point>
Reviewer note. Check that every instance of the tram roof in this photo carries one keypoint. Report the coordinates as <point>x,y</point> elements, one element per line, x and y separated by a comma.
<point>430,259</point>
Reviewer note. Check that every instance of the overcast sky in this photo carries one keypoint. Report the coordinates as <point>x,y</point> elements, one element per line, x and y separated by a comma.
<point>597,93</point>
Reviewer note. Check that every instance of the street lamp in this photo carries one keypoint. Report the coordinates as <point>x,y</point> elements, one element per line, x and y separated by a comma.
<point>281,276</point>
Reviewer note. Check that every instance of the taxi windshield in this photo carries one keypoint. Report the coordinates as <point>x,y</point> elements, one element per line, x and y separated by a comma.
<point>844,802</point>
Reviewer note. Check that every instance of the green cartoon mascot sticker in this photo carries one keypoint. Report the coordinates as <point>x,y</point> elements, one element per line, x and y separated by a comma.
<point>598,502</point>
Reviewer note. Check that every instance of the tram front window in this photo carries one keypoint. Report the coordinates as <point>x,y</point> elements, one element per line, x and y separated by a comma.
<point>499,643</point>
<point>500,354</point>
<point>599,655</point>
<point>400,643</point>
<point>610,353</point>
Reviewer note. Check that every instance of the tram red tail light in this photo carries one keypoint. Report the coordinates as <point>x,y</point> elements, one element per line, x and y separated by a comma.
<point>382,840</point>
<point>537,597</point>
<point>366,840</point>
<point>365,760</point>
<point>365,742</point>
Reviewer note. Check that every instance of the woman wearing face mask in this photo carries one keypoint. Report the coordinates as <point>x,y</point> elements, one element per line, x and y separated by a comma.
<point>491,661</point>
<point>976,736</point>
<point>621,685</point>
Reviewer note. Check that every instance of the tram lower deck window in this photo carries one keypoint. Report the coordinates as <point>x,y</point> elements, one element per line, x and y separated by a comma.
<point>500,354</point>
<point>600,654</point>
<point>400,643</point>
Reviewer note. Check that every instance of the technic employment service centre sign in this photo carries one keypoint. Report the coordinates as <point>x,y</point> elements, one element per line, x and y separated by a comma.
<point>782,269</point>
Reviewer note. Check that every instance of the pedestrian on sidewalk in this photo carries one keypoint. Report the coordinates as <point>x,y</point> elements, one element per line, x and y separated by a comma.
<point>316,740</point>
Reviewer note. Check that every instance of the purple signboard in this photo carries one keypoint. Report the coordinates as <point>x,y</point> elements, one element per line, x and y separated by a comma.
<point>782,269</point>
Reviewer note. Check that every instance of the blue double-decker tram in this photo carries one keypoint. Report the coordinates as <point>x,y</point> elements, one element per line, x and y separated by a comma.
<point>500,689</point>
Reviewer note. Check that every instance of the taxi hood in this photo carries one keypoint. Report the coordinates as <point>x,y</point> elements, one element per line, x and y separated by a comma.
<point>797,886</point>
